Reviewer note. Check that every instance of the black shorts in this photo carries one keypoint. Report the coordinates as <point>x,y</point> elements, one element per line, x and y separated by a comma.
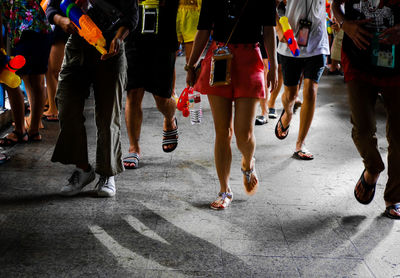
<point>35,47</point>
<point>151,69</point>
<point>60,35</point>
<point>292,68</point>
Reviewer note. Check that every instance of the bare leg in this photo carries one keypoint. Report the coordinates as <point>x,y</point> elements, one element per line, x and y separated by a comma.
<point>55,61</point>
<point>133,119</point>
<point>222,114</point>
<point>288,98</point>
<point>34,85</point>
<point>275,93</point>
<point>16,99</point>
<point>245,111</point>
<point>307,111</point>
<point>263,101</point>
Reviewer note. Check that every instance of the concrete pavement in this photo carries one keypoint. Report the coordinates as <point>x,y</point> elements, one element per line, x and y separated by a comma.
<point>303,221</point>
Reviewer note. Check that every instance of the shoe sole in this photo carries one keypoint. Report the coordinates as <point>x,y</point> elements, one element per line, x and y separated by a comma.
<point>105,194</point>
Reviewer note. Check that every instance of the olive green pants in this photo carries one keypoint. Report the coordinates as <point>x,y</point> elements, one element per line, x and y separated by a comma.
<point>81,71</point>
<point>362,98</point>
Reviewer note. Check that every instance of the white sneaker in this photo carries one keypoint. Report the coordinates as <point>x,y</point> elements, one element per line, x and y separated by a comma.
<point>78,181</point>
<point>106,186</point>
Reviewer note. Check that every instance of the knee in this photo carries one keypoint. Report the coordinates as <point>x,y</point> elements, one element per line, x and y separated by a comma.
<point>224,135</point>
<point>54,73</point>
<point>134,97</point>
<point>244,136</point>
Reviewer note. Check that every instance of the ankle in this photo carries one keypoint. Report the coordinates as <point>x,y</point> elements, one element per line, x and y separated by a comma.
<point>370,178</point>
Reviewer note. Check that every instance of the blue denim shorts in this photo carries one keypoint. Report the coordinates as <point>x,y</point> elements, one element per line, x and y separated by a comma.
<point>292,68</point>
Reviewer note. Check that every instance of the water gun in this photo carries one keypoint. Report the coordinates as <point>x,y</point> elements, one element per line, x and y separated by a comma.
<point>44,4</point>
<point>183,101</point>
<point>8,67</point>
<point>289,36</point>
<point>328,9</point>
<point>329,25</point>
<point>87,29</point>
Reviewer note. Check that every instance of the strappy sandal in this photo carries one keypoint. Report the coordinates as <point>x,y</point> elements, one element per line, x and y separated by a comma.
<point>131,158</point>
<point>7,142</point>
<point>36,137</point>
<point>247,174</point>
<point>223,200</point>
<point>368,188</point>
<point>395,207</point>
<point>283,129</point>
<point>170,137</point>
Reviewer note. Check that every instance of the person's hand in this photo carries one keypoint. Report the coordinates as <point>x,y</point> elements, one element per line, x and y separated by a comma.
<point>191,76</point>
<point>391,35</point>
<point>335,27</point>
<point>355,30</point>
<point>115,47</point>
<point>272,78</point>
<point>66,24</point>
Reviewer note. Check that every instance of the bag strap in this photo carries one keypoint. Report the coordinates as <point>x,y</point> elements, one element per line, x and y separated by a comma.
<point>237,22</point>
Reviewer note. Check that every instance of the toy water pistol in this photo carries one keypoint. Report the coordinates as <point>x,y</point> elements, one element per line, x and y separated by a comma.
<point>44,4</point>
<point>87,29</point>
<point>183,101</point>
<point>8,67</point>
<point>289,36</point>
<point>329,25</point>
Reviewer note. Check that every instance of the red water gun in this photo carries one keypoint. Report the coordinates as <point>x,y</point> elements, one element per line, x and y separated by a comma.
<point>289,36</point>
<point>8,67</point>
<point>183,101</point>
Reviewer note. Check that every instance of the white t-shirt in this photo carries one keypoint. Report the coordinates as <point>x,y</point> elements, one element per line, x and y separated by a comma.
<point>318,42</point>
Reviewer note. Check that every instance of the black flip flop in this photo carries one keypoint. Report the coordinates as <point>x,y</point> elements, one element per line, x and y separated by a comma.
<point>7,142</point>
<point>282,128</point>
<point>303,155</point>
<point>367,188</point>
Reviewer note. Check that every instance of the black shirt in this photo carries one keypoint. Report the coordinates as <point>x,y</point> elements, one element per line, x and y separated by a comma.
<point>103,13</point>
<point>221,15</point>
<point>166,37</point>
<point>381,19</point>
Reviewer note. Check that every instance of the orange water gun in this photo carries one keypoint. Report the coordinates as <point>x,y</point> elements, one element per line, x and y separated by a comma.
<point>289,36</point>
<point>44,4</point>
<point>87,29</point>
<point>183,101</point>
<point>8,67</point>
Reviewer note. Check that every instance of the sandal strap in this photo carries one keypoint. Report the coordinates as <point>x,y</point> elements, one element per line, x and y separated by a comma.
<point>20,136</point>
<point>394,207</point>
<point>225,195</point>
<point>131,158</point>
<point>169,141</point>
<point>367,186</point>
<point>248,173</point>
<point>168,133</point>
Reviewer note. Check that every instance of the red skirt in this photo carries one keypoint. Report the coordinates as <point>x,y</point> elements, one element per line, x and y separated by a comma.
<point>247,73</point>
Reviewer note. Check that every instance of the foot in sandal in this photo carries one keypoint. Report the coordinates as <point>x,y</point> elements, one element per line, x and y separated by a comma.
<point>250,180</point>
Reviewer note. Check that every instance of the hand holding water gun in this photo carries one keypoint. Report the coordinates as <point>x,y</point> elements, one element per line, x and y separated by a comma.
<point>289,36</point>
<point>183,101</point>
<point>8,67</point>
<point>87,29</point>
